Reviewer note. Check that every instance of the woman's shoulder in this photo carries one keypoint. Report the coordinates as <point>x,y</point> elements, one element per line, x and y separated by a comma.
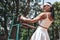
<point>46,13</point>
<point>43,15</point>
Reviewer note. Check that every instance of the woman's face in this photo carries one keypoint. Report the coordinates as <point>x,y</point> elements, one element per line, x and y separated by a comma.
<point>46,8</point>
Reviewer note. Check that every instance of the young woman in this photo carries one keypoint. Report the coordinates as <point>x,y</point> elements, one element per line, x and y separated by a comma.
<point>45,19</point>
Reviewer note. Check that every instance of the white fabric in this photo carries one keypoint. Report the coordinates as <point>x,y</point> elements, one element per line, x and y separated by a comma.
<point>45,4</point>
<point>48,4</point>
<point>40,34</point>
<point>46,22</point>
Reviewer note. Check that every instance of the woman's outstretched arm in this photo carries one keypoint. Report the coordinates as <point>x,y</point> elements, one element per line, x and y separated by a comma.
<point>39,17</point>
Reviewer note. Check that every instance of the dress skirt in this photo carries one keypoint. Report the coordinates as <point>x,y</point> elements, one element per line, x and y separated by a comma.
<point>40,34</point>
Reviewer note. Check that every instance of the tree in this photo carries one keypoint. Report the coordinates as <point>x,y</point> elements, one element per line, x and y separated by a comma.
<point>55,30</point>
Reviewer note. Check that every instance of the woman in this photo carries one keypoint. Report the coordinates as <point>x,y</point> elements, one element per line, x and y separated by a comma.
<point>45,19</point>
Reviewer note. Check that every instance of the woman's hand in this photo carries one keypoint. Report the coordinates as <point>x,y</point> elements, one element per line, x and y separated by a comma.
<point>19,19</point>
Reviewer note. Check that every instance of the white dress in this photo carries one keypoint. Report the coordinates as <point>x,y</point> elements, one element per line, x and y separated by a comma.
<point>41,33</point>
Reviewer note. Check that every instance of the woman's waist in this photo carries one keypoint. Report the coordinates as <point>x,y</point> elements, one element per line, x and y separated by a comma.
<point>41,28</point>
<point>44,26</point>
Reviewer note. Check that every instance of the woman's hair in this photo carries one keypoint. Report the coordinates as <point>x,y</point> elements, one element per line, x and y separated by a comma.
<point>52,10</point>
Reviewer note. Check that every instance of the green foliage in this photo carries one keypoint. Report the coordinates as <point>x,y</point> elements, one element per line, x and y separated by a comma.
<point>9,8</point>
<point>55,27</point>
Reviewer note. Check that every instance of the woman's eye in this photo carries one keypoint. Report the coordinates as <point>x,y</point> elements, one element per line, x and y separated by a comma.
<point>45,6</point>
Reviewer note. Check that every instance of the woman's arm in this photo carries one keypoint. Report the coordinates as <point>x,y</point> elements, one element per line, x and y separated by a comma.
<point>39,17</point>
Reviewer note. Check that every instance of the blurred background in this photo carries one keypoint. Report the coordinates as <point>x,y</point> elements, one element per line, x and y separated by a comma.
<point>10,10</point>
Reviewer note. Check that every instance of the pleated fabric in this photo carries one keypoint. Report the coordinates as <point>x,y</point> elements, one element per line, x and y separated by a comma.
<point>40,34</point>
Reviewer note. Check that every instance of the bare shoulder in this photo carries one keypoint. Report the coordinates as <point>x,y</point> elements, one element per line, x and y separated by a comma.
<point>43,15</point>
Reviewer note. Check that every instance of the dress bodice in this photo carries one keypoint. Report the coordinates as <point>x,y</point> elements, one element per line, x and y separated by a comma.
<point>45,22</point>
